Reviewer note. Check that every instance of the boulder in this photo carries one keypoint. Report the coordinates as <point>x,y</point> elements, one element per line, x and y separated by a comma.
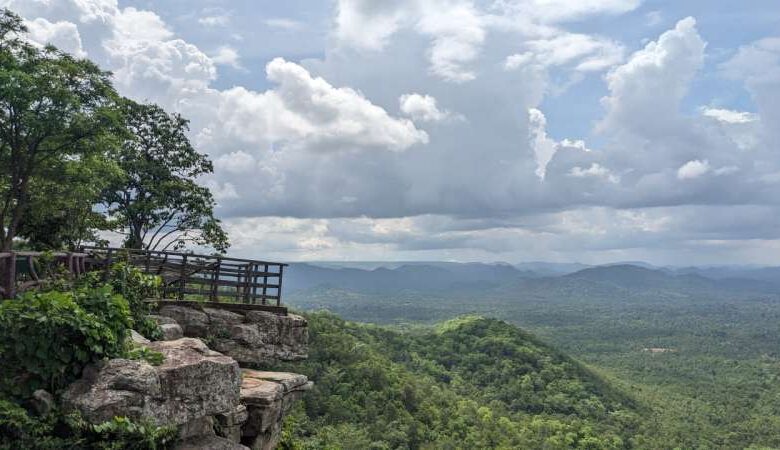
<point>162,320</point>
<point>193,382</point>
<point>171,331</point>
<point>253,338</point>
<point>209,443</point>
<point>268,397</point>
<point>136,338</point>
<point>193,322</point>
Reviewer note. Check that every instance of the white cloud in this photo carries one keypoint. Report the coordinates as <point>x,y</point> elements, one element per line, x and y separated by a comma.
<point>555,11</point>
<point>583,52</point>
<point>220,20</point>
<point>281,23</point>
<point>308,112</point>
<point>63,34</point>
<point>227,56</point>
<point>137,25</point>
<point>422,108</point>
<point>693,169</point>
<point>544,148</point>
<point>729,116</point>
<point>646,91</point>
<point>456,28</point>
<point>595,170</point>
<point>323,142</point>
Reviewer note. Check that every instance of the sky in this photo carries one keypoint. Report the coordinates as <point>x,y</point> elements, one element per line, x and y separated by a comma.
<point>464,130</point>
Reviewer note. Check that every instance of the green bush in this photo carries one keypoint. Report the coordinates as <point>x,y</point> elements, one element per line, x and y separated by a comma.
<point>47,338</point>
<point>136,287</point>
<point>20,430</point>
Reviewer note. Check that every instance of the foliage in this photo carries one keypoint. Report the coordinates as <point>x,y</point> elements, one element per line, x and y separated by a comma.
<point>61,213</point>
<point>476,383</point>
<point>716,388</point>
<point>146,354</point>
<point>54,109</point>
<point>46,339</point>
<point>19,429</point>
<point>157,200</point>
<point>136,287</point>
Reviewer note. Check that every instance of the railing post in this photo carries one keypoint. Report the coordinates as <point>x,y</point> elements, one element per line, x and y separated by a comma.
<point>183,275</point>
<point>107,269</point>
<point>279,291</point>
<point>215,281</point>
<point>11,286</point>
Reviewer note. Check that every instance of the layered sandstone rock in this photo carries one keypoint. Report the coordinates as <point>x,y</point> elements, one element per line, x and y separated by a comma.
<point>213,403</point>
<point>268,397</point>
<point>191,384</point>
<point>253,338</point>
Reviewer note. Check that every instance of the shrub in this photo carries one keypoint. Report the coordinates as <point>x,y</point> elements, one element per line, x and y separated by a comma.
<point>47,338</point>
<point>18,429</point>
<point>136,287</point>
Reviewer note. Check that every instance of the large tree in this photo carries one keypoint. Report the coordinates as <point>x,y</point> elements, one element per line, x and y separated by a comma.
<point>157,202</point>
<point>55,110</point>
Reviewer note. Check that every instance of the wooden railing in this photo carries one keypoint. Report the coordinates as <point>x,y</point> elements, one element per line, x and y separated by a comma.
<point>188,276</point>
<point>19,271</point>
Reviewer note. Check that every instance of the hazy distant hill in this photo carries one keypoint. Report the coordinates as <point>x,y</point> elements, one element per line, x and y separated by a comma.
<point>421,277</point>
<point>602,281</point>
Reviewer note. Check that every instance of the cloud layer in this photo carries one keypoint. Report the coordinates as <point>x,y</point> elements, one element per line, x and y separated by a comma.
<point>421,131</point>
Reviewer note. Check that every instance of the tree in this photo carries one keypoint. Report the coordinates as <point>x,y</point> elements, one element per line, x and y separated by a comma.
<point>62,210</point>
<point>157,202</point>
<point>54,110</point>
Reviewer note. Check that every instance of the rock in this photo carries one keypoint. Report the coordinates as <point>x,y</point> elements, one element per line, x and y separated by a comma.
<point>194,323</point>
<point>268,397</point>
<point>202,426</point>
<point>171,331</point>
<point>209,443</point>
<point>228,425</point>
<point>220,321</point>
<point>193,382</point>
<point>42,402</point>
<point>253,338</point>
<point>247,334</point>
<point>162,320</point>
<point>136,338</point>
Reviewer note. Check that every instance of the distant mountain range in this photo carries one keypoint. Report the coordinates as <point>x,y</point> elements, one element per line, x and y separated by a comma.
<point>447,276</point>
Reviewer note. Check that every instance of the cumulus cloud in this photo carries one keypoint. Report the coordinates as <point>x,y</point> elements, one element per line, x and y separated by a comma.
<point>729,116</point>
<point>308,112</point>
<point>693,169</point>
<point>319,160</point>
<point>583,52</point>
<point>227,56</point>
<point>646,91</point>
<point>595,170</point>
<point>64,35</point>
<point>422,108</point>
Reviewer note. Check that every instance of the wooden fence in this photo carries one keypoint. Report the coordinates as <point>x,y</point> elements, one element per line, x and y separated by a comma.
<point>188,276</point>
<point>19,271</point>
<point>185,276</point>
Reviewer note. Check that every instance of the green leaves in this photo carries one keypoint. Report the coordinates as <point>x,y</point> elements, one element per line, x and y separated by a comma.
<point>470,383</point>
<point>55,110</point>
<point>156,199</point>
<point>49,337</point>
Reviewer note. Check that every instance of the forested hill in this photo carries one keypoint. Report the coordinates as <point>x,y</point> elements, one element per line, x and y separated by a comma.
<point>468,383</point>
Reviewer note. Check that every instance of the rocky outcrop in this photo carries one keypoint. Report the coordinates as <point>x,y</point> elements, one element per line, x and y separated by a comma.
<point>170,329</point>
<point>213,403</point>
<point>191,384</point>
<point>253,338</point>
<point>268,396</point>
